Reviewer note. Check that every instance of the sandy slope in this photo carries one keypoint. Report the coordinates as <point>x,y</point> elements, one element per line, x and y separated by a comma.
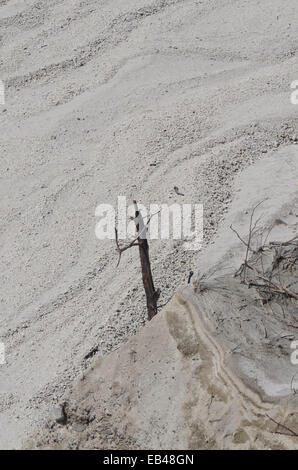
<point>97,92</point>
<point>169,387</point>
<point>213,369</point>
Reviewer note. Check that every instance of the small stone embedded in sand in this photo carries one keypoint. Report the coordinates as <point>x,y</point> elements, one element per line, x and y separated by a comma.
<point>58,414</point>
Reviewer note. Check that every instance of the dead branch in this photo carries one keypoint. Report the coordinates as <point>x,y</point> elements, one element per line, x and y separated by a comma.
<point>176,189</point>
<point>134,242</point>
<point>240,238</point>
<point>152,295</point>
<point>286,428</point>
<point>141,241</point>
<point>278,288</point>
<point>263,282</point>
<point>289,242</point>
<point>249,237</point>
<point>124,248</point>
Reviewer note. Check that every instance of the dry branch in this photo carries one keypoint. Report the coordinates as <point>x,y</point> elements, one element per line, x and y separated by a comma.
<point>152,295</point>
<point>263,281</point>
<point>283,426</point>
<point>141,241</point>
<point>279,289</point>
<point>250,236</point>
<point>134,242</point>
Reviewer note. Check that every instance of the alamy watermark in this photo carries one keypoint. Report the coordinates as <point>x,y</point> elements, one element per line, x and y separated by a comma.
<point>176,221</point>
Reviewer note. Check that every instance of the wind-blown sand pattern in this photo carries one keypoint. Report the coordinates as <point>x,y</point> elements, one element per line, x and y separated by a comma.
<point>108,98</point>
<point>212,370</point>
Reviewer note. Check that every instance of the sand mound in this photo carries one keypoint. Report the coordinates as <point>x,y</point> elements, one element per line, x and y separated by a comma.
<point>170,387</point>
<point>213,369</point>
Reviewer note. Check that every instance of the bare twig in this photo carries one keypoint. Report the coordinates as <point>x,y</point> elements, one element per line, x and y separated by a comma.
<point>124,248</point>
<point>134,242</point>
<point>152,295</point>
<point>141,241</point>
<point>240,238</point>
<point>249,237</point>
<point>289,242</point>
<point>189,277</point>
<point>268,286</point>
<point>286,428</point>
<point>278,288</point>
<point>176,189</point>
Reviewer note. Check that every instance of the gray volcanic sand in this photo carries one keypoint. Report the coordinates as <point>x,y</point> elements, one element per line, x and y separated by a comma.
<point>119,98</point>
